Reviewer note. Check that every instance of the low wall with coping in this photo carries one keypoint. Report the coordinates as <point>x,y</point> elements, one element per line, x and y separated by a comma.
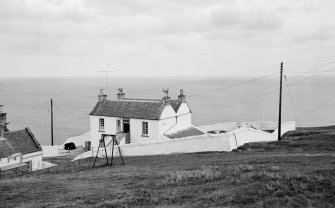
<point>203,143</point>
<point>51,151</point>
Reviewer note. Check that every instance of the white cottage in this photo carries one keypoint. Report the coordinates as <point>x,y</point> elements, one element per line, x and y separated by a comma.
<point>137,121</point>
<point>19,148</point>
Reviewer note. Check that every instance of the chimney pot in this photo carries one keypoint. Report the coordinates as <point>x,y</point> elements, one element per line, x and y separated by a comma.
<point>120,94</point>
<point>102,96</point>
<point>181,96</point>
<point>166,99</point>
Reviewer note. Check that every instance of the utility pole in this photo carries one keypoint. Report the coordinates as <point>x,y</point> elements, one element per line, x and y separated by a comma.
<point>280,97</point>
<point>52,124</point>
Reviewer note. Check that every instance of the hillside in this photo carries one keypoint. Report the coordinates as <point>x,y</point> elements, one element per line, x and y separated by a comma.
<point>298,171</point>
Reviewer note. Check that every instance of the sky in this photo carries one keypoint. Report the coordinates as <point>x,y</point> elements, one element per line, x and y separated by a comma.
<point>55,38</point>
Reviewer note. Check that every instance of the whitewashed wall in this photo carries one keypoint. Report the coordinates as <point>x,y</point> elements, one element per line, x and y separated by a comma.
<point>184,145</point>
<point>285,127</point>
<point>183,109</point>
<point>202,143</point>
<point>110,128</point>
<point>166,124</point>
<point>35,158</point>
<point>136,131</point>
<point>51,151</point>
<point>246,135</point>
<point>11,160</point>
<point>184,120</point>
<point>80,140</point>
<point>168,112</point>
<point>227,126</point>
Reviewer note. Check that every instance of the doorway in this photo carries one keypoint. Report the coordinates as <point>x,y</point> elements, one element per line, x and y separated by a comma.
<point>126,130</point>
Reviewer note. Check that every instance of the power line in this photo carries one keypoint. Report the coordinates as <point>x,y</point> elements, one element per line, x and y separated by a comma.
<point>308,60</point>
<point>213,78</point>
<point>35,112</point>
<point>234,85</point>
<point>296,72</point>
<point>298,62</point>
<point>295,113</point>
<point>314,74</point>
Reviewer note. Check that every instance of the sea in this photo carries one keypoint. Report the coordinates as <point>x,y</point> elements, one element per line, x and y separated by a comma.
<point>309,102</point>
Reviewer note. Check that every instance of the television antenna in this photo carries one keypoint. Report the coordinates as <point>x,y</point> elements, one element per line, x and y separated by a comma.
<point>106,72</point>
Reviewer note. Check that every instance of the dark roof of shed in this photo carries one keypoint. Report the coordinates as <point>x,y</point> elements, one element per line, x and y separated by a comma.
<point>186,132</point>
<point>140,109</point>
<point>22,141</point>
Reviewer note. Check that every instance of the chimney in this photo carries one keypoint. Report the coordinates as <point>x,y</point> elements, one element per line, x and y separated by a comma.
<point>120,94</point>
<point>166,99</point>
<point>2,122</point>
<point>181,96</point>
<point>102,95</point>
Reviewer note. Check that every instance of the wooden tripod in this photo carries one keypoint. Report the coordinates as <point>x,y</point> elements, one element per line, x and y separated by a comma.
<point>103,143</point>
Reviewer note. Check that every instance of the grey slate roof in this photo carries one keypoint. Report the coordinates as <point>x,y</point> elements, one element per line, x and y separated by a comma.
<point>175,104</point>
<point>186,132</point>
<point>19,141</point>
<point>139,109</point>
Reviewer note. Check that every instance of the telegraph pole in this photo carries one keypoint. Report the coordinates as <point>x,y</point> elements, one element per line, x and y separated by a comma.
<point>280,97</point>
<point>52,124</point>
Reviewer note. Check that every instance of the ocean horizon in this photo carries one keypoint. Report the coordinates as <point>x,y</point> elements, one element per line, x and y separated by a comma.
<point>212,100</point>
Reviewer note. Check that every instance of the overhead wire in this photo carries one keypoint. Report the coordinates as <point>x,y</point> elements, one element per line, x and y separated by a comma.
<point>298,62</point>
<point>315,73</point>
<point>233,85</point>
<point>213,78</point>
<point>274,90</point>
<point>309,60</point>
<point>295,113</point>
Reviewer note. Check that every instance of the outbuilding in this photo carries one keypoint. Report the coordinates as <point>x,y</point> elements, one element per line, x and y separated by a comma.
<point>19,148</point>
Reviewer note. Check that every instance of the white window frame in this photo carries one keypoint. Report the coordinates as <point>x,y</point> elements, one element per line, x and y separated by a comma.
<point>101,124</point>
<point>145,128</point>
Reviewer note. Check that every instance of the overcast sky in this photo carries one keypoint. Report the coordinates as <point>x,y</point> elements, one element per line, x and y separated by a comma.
<point>160,37</point>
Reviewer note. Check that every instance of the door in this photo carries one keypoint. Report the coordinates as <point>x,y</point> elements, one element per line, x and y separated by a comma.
<point>118,126</point>
<point>126,130</point>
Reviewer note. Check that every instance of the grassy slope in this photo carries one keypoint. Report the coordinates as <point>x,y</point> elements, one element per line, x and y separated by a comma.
<point>296,172</point>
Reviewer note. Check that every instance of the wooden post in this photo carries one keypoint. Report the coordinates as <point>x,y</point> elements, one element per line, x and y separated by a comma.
<point>112,151</point>
<point>280,98</point>
<point>52,124</point>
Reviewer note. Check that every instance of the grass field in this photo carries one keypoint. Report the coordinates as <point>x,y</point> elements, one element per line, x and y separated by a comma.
<point>298,171</point>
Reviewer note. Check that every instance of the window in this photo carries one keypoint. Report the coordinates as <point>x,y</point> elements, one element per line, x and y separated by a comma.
<point>101,124</point>
<point>29,165</point>
<point>145,128</point>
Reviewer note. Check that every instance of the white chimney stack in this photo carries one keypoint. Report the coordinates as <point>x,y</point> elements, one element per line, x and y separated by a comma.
<point>166,99</point>
<point>102,95</point>
<point>181,96</point>
<point>120,94</point>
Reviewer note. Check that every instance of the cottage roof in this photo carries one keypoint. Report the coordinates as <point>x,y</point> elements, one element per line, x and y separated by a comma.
<point>129,108</point>
<point>185,132</point>
<point>175,104</point>
<point>22,141</point>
